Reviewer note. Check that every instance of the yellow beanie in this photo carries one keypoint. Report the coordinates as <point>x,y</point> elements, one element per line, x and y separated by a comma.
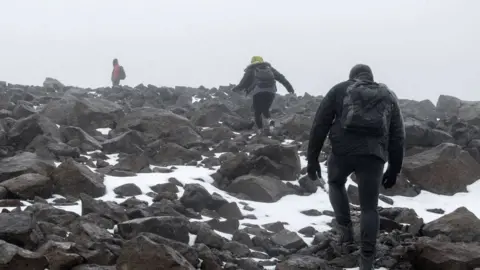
<point>257,59</point>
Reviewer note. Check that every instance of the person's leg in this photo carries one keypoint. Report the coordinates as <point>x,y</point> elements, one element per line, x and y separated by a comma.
<point>369,172</point>
<point>339,168</point>
<point>257,110</point>
<point>269,98</point>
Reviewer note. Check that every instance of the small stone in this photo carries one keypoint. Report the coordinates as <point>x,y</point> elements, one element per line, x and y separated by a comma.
<point>308,231</point>
<point>127,190</point>
<point>385,199</point>
<point>162,170</point>
<point>312,213</point>
<point>248,208</point>
<point>274,227</point>
<point>436,211</point>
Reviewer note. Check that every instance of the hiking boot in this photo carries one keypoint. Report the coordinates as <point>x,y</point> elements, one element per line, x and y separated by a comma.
<point>366,263</point>
<point>346,234</point>
<point>271,122</point>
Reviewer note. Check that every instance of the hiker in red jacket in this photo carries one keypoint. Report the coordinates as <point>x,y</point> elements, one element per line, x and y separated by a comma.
<point>118,73</point>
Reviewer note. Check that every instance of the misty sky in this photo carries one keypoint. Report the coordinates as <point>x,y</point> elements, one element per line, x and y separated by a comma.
<point>420,48</point>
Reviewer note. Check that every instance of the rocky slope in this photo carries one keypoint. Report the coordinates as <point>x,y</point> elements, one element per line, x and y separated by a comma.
<point>64,147</point>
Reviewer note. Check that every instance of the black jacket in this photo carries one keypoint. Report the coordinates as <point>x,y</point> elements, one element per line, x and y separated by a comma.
<point>248,83</point>
<point>390,147</point>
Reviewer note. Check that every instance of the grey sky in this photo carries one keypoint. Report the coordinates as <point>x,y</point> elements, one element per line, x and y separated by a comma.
<point>420,48</point>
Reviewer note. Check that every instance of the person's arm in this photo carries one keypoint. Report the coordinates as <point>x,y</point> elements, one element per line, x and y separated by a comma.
<point>321,125</point>
<point>281,79</point>
<point>396,140</point>
<point>246,81</point>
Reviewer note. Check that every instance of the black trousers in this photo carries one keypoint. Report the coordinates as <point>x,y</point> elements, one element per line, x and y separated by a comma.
<point>261,106</point>
<point>369,173</point>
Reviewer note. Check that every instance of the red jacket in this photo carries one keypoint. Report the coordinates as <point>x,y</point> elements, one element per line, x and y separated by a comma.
<point>116,73</point>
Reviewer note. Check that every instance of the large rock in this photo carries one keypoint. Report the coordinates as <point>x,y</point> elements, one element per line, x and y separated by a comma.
<point>19,229</point>
<point>211,114</point>
<point>51,214</point>
<point>72,179</point>
<point>235,166</point>
<point>237,123</point>
<point>26,129</point>
<point>288,240</point>
<point>60,255</point>
<point>184,136</point>
<point>260,188</point>
<point>196,197</point>
<point>187,251</point>
<point>133,163</point>
<point>53,84</point>
<point>217,134</point>
<point>154,123</point>
<point>172,154</point>
<point>76,136</point>
<point>445,169</point>
<point>23,110</point>
<point>469,111</point>
<point>175,228</point>
<point>109,210</point>
<point>461,226</point>
<point>300,262</point>
<point>85,233</point>
<point>141,253</point>
<point>433,254</point>
<point>419,134</point>
<point>86,113</point>
<point>48,148</point>
<point>421,110</point>
<point>210,238</point>
<point>24,163</point>
<point>29,185</point>
<point>16,258</point>
<point>286,157</point>
<point>296,127</point>
<point>130,142</point>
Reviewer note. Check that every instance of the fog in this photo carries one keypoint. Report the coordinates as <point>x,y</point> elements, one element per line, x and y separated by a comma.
<point>421,49</point>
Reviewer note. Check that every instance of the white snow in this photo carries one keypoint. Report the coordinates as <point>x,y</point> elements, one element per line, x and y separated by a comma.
<point>288,142</point>
<point>104,131</point>
<point>195,99</point>
<point>288,209</point>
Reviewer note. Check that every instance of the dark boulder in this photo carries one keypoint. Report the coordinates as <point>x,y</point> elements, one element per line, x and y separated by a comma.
<point>445,169</point>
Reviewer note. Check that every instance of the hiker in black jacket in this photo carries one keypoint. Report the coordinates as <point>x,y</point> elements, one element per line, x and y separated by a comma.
<point>259,80</point>
<point>366,129</point>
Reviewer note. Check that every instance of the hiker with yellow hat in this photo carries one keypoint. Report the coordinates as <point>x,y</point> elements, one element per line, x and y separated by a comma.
<point>259,80</point>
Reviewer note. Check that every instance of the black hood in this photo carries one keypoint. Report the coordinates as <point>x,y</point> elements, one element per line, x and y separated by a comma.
<point>362,72</point>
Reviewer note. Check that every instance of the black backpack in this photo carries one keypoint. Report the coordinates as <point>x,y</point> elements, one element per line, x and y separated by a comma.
<point>264,76</point>
<point>366,109</point>
<point>123,75</point>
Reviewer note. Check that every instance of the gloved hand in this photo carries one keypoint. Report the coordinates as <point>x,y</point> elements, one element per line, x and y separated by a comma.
<point>313,170</point>
<point>389,179</point>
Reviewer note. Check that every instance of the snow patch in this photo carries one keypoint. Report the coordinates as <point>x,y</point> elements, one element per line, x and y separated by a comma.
<point>104,131</point>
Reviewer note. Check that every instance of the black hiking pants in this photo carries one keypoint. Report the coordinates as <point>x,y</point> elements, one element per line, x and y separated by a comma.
<point>261,106</point>
<point>369,172</point>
